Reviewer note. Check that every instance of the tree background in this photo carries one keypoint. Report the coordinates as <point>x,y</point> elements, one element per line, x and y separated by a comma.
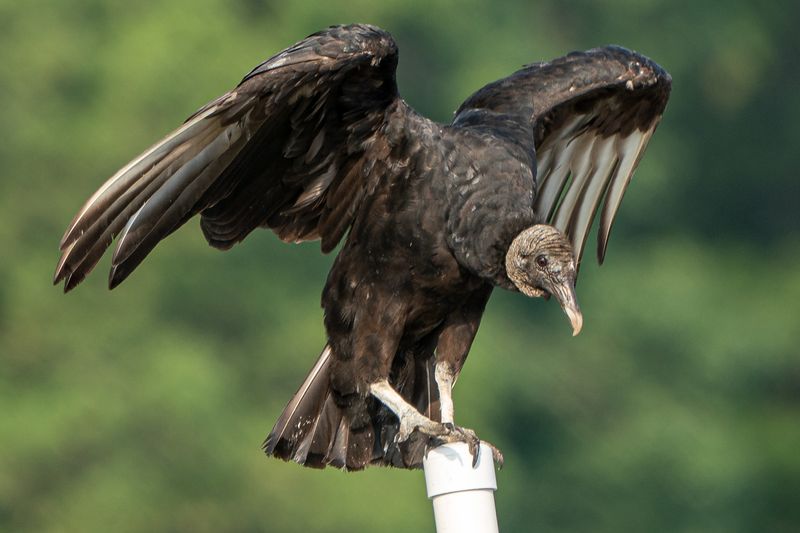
<point>677,409</point>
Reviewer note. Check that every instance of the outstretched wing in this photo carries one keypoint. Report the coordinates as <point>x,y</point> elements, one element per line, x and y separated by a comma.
<point>592,114</point>
<point>291,148</point>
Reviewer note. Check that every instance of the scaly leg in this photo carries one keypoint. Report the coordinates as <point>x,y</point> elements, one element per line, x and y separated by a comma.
<point>445,379</point>
<point>410,419</point>
<point>452,347</point>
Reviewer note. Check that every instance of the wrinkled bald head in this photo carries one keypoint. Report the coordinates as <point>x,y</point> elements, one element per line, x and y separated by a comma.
<point>540,262</point>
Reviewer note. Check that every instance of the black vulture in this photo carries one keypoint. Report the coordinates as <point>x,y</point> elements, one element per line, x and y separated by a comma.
<point>316,143</point>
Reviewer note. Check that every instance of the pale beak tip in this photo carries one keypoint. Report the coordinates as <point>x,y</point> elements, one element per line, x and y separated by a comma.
<point>569,303</point>
<point>576,319</point>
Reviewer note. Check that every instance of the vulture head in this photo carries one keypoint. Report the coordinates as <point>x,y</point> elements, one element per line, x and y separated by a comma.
<point>540,262</point>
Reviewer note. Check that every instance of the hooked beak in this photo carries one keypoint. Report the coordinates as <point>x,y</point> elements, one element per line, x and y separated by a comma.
<point>565,293</point>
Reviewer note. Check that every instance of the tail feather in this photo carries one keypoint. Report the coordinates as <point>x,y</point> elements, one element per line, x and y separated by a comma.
<point>337,456</point>
<point>321,439</point>
<point>317,431</point>
<point>288,436</point>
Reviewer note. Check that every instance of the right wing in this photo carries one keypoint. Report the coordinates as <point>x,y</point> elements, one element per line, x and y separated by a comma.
<point>592,114</point>
<point>291,148</point>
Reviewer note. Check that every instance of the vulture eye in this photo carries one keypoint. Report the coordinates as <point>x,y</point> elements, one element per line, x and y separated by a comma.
<point>541,261</point>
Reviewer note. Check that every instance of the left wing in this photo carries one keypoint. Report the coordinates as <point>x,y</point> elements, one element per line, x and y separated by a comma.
<point>592,113</point>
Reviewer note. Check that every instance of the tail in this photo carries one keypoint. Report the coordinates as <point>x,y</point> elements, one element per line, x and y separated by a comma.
<point>319,427</point>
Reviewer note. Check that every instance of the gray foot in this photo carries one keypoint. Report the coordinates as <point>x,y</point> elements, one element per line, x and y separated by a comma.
<point>458,434</point>
<point>445,433</point>
<point>412,420</point>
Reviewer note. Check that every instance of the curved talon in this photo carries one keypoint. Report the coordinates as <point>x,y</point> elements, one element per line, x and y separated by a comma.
<point>458,434</point>
<point>497,455</point>
<point>443,433</point>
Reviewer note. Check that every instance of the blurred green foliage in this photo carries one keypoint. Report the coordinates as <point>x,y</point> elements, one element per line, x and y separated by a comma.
<point>677,408</point>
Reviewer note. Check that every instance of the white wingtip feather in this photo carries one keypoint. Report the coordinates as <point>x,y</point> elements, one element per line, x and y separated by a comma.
<point>630,151</point>
<point>605,160</point>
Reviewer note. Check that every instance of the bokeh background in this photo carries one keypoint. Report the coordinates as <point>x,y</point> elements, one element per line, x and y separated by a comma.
<point>677,409</point>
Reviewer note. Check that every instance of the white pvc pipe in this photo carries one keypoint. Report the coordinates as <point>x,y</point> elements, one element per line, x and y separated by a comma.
<point>463,496</point>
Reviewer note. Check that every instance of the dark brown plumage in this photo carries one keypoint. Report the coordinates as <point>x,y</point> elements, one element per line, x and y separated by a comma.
<point>315,143</point>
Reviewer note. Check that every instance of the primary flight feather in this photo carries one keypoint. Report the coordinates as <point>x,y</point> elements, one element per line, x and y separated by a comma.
<point>316,143</point>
